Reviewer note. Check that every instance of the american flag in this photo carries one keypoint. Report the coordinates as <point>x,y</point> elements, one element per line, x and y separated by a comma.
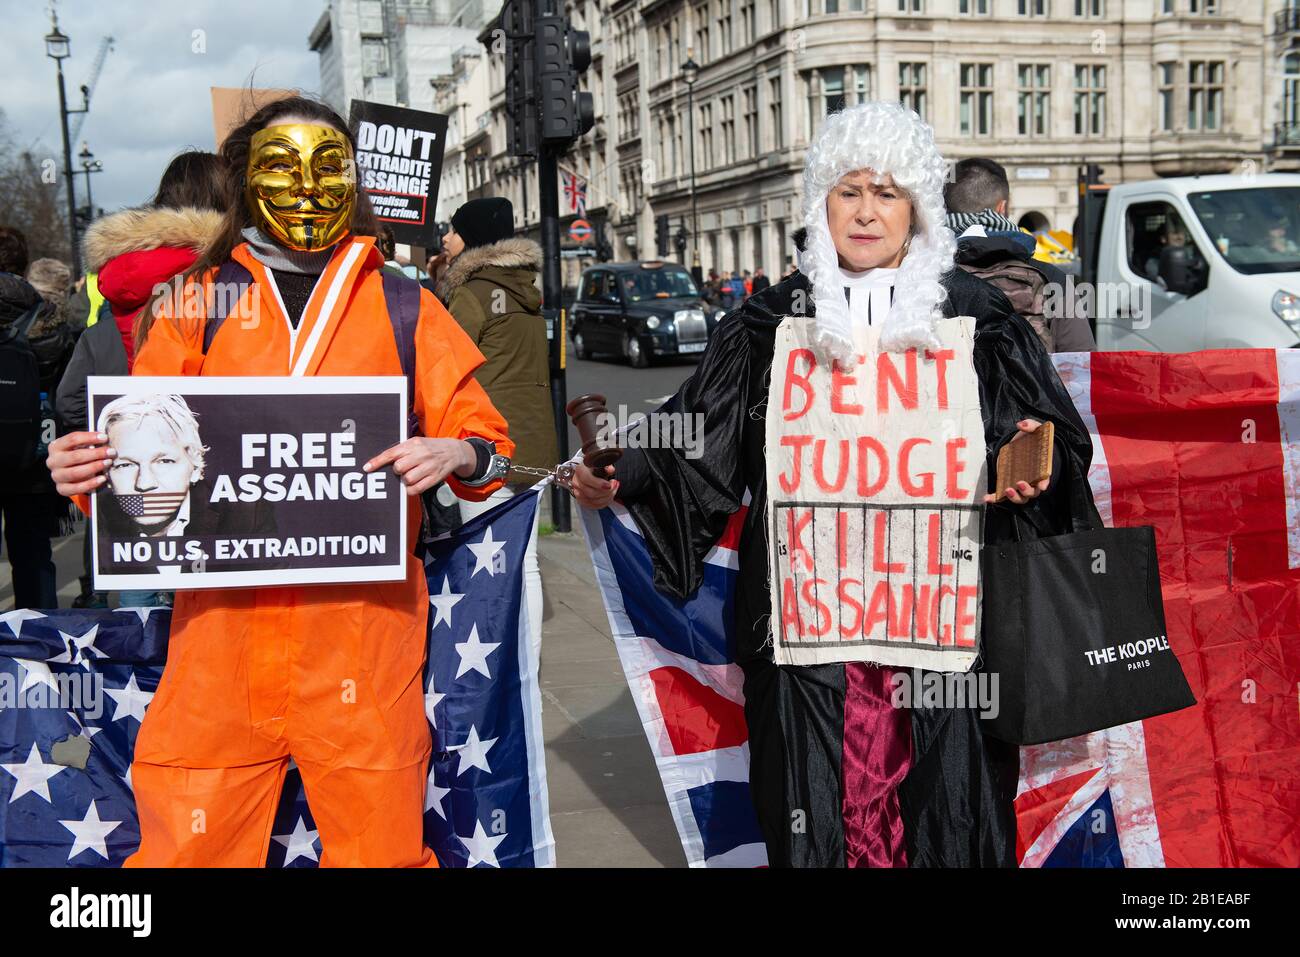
<point>65,787</point>
<point>1205,447</point>
<point>575,188</point>
<point>150,504</point>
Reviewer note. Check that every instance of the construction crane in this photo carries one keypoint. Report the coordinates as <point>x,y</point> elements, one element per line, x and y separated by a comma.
<point>105,45</point>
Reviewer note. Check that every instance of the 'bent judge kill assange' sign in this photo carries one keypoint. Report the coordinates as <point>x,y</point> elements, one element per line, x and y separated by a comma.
<point>875,477</point>
<point>232,481</point>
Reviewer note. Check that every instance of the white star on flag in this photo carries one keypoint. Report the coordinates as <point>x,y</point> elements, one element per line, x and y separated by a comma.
<point>482,849</point>
<point>431,700</point>
<point>131,701</point>
<point>37,673</point>
<point>301,843</point>
<point>90,832</point>
<point>484,553</point>
<point>87,731</point>
<point>473,654</point>
<point>473,753</point>
<point>433,796</point>
<point>15,619</point>
<point>141,612</point>
<point>84,644</point>
<point>32,775</point>
<point>443,602</point>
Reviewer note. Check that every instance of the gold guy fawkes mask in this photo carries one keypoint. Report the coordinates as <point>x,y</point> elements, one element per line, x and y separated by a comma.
<point>301,184</point>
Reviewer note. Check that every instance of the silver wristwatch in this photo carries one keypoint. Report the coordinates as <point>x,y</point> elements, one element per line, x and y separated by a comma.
<point>498,465</point>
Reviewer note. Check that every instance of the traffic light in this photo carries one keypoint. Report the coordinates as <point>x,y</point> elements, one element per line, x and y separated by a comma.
<point>661,235</point>
<point>562,54</point>
<point>521,79</point>
<point>1092,174</point>
<point>680,241</point>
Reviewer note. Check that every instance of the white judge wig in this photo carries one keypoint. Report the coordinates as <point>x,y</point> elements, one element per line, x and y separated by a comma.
<point>887,139</point>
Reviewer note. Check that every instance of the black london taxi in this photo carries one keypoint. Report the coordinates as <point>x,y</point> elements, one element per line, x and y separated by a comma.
<point>641,311</point>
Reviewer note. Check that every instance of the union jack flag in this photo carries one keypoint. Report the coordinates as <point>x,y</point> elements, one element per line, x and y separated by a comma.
<point>65,748</point>
<point>575,188</point>
<point>1205,447</point>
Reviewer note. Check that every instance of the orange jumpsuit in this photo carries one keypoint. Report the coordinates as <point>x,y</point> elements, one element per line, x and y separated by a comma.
<point>330,675</point>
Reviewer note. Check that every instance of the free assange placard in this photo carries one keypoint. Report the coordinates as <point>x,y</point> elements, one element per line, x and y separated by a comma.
<point>241,481</point>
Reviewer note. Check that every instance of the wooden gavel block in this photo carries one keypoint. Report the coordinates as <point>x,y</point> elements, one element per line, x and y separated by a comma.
<point>586,412</point>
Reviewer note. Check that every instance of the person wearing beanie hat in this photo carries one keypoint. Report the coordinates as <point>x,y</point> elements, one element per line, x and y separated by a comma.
<point>490,289</point>
<point>482,222</point>
<point>871,784</point>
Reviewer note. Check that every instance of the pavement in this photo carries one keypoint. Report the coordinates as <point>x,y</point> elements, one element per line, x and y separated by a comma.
<point>607,803</point>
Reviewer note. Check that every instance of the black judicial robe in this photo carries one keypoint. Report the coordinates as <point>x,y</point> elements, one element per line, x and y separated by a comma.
<point>955,800</point>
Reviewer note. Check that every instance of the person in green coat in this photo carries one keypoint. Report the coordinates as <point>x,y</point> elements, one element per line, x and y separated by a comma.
<point>490,289</point>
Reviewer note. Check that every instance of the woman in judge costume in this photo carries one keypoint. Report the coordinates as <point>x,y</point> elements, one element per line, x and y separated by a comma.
<point>838,776</point>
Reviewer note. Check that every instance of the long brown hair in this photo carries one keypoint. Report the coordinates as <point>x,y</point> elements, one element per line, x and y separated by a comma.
<point>195,179</point>
<point>234,161</point>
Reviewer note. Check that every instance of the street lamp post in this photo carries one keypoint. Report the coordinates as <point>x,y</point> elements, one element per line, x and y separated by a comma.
<point>690,72</point>
<point>89,166</point>
<point>57,48</point>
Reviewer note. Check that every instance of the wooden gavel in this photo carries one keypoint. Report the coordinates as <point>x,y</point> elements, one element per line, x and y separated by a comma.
<point>585,412</point>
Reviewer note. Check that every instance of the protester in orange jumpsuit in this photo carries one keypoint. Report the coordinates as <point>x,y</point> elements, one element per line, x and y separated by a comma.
<point>328,675</point>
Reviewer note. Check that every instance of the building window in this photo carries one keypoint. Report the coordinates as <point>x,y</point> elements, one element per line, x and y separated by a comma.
<point>1207,8</point>
<point>910,6</point>
<point>774,111</point>
<point>751,120</point>
<point>724,25</point>
<point>706,135</point>
<point>1167,73</point>
<point>1167,7</point>
<point>1089,100</point>
<point>862,83</point>
<point>911,87</point>
<point>1091,9</point>
<point>1205,95</point>
<point>747,24</point>
<point>1032,8</point>
<point>1291,95</point>
<point>728,130</point>
<point>976,103</point>
<point>374,58</point>
<point>973,8</point>
<point>702,21</point>
<point>1034,98</point>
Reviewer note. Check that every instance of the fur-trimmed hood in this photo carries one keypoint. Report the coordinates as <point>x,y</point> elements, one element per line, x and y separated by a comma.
<point>148,227</point>
<point>507,254</point>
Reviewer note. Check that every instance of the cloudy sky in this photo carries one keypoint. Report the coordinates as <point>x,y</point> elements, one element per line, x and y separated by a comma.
<point>153,94</point>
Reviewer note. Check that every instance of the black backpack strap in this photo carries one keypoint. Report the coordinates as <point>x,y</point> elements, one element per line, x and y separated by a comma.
<point>230,273</point>
<point>402,299</point>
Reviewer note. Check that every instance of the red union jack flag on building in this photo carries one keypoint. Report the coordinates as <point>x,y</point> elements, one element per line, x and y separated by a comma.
<point>1205,447</point>
<point>575,190</point>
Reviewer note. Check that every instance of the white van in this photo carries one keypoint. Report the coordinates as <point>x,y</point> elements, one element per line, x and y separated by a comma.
<point>1198,262</point>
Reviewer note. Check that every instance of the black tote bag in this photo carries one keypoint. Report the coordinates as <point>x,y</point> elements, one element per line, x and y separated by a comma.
<point>1074,627</point>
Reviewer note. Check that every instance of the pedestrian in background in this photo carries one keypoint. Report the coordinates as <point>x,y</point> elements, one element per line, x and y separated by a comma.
<point>760,282</point>
<point>991,246</point>
<point>490,289</point>
<point>35,344</point>
<point>129,253</point>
